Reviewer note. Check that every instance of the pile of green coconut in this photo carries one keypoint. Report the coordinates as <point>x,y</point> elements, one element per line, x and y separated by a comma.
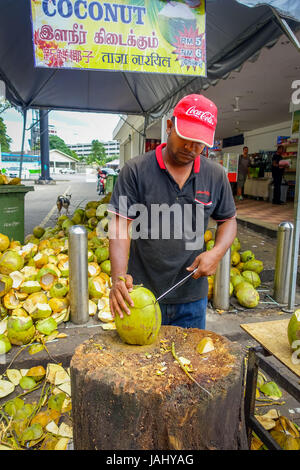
<point>34,279</point>
<point>244,273</point>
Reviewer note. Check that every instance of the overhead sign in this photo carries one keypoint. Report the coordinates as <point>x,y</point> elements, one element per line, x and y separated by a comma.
<point>158,36</point>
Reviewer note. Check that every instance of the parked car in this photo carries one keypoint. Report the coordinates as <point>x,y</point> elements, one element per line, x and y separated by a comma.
<point>108,171</point>
<point>67,171</point>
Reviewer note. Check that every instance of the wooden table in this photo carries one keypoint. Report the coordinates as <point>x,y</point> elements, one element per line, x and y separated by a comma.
<point>272,336</point>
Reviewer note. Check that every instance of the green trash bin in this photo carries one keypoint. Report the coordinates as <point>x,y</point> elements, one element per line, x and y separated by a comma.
<point>12,210</point>
<point>110,182</point>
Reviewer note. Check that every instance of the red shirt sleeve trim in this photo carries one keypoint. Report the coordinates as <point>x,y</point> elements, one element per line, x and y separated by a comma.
<point>120,215</point>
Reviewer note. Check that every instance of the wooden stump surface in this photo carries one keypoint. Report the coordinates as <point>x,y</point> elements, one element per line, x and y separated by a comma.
<point>138,397</point>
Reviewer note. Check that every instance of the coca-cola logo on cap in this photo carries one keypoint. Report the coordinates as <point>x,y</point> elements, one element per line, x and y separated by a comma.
<point>204,116</point>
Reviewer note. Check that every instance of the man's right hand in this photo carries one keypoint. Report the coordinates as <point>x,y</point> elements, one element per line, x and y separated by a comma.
<point>119,295</point>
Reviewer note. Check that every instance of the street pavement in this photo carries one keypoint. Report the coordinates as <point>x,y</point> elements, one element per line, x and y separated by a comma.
<point>40,204</point>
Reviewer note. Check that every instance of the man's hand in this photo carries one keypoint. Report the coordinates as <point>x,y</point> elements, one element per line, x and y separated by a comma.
<point>119,295</point>
<point>206,263</point>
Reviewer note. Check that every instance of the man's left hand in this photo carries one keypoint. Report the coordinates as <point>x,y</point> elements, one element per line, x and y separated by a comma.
<point>206,263</point>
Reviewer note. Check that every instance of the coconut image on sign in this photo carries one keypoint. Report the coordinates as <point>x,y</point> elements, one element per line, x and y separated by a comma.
<point>174,17</point>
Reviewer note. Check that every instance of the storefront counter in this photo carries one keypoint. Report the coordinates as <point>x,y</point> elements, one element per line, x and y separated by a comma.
<point>257,187</point>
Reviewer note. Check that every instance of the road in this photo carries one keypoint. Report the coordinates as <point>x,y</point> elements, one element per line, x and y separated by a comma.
<point>40,204</point>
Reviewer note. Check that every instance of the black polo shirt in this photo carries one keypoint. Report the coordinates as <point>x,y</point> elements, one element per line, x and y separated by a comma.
<point>168,222</point>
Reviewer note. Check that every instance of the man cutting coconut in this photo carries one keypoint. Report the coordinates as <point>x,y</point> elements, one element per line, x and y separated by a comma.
<point>165,197</point>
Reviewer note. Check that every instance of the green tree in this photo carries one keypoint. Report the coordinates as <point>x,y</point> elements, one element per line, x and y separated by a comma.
<point>5,140</point>
<point>97,154</point>
<point>57,143</point>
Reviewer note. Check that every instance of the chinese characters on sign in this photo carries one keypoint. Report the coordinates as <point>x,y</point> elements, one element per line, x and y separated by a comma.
<point>154,36</point>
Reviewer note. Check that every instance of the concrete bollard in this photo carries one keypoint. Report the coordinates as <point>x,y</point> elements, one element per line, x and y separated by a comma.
<point>283,262</point>
<point>221,293</point>
<point>78,275</point>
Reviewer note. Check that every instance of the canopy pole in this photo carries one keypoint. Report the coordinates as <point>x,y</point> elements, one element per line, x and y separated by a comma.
<point>44,145</point>
<point>296,236</point>
<point>23,141</point>
<point>163,134</point>
<point>287,30</point>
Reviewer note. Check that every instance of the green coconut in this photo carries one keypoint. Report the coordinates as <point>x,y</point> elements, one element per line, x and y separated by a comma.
<point>101,211</point>
<point>106,267</point>
<point>66,225</point>
<point>209,245</point>
<point>143,324</point>
<point>46,326</point>
<point>4,242</point>
<point>92,204</point>
<point>253,265</point>
<point>92,222</point>
<point>3,311</point>
<point>96,287</point>
<point>29,287</point>
<point>58,290</point>
<point>247,296</point>
<point>10,261</point>
<point>12,406</point>
<point>247,256</point>
<point>6,283</point>
<point>236,245</point>
<point>293,330</point>
<point>102,253</point>
<point>27,383</point>
<point>38,231</point>
<point>33,299</point>
<point>252,277</point>
<point>41,311</point>
<point>76,219</point>
<point>241,284</point>
<point>235,258</point>
<point>30,273</point>
<point>235,280</point>
<point>61,219</point>
<point>234,272</point>
<point>90,212</point>
<point>5,345</point>
<point>20,330</point>
<point>64,268</point>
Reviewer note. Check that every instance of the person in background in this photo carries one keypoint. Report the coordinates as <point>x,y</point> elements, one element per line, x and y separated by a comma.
<point>243,172</point>
<point>277,174</point>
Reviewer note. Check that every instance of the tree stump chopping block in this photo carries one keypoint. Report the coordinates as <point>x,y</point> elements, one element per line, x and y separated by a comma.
<point>139,398</point>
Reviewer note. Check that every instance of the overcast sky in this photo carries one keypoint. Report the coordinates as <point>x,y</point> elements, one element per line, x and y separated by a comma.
<point>72,127</point>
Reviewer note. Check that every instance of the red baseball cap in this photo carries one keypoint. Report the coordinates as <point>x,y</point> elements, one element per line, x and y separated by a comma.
<point>196,119</point>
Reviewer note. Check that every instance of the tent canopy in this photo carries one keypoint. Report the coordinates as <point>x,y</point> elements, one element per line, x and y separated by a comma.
<point>235,33</point>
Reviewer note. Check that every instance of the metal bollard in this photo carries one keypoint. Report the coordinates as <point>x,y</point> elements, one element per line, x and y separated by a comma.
<point>221,295</point>
<point>78,275</point>
<point>283,262</point>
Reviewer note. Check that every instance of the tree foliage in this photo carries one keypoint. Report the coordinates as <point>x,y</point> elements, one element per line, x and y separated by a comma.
<point>57,143</point>
<point>5,140</point>
<point>97,154</point>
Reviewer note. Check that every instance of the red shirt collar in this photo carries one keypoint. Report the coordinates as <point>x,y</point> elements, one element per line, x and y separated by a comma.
<point>160,160</point>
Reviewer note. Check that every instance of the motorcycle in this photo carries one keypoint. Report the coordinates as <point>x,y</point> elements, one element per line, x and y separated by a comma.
<point>101,184</point>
